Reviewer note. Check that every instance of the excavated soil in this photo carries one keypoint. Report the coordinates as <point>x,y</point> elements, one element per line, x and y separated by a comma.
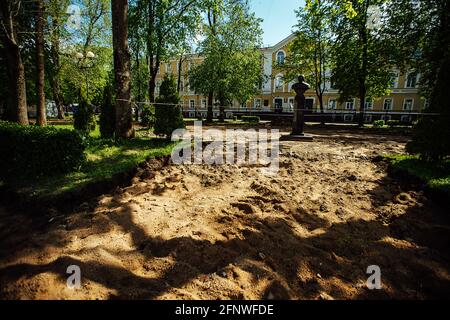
<point>228,232</point>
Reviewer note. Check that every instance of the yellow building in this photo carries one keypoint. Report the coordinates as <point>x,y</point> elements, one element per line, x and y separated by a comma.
<point>276,96</point>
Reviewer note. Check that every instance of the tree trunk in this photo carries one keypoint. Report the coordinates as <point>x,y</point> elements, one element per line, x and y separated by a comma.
<point>124,124</point>
<point>363,74</point>
<point>322,109</point>
<point>210,114</point>
<point>56,87</point>
<point>41,119</point>
<point>16,72</point>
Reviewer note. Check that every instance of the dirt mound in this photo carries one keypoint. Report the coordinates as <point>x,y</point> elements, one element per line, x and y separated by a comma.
<point>228,232</point>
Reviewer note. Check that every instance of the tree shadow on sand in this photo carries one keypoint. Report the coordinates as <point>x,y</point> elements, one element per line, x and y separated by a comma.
<point>333,260</point>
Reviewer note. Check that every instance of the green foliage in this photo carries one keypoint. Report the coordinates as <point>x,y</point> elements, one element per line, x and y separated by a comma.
<point>168,115</point>
<point>431,139</point>
<point>310,50</point>
<point>84,119</point>
<point>362,58</point>
<point>148,116</point>
<point>379,124</point>
<point>33,151</point>
<point>251,119</point>
<point>232,65</point>
<point>436,175</point>
<point>393,123</point>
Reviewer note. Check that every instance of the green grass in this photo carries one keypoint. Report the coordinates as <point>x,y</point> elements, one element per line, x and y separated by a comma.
<point>435,175</point>
<point>105,158</point>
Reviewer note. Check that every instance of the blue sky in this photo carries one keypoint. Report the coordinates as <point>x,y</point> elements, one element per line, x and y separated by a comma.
<point>279,18</point>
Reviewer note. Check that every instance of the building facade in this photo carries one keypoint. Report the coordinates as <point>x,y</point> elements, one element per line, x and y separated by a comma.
<point>276,97</point>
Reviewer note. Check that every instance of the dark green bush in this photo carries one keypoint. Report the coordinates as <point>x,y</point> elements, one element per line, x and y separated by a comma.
<point>379,124</point>
<point>431,138</point>
<point>84,119</point>
<point>31,151</point>
<point>148,116</point>
<point>108,113</point>
<point>168,115</point>
<point>393,123</point>
<point>251,119</point>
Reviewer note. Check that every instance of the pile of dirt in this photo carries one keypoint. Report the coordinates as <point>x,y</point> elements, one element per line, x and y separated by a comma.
<point>229,232</point>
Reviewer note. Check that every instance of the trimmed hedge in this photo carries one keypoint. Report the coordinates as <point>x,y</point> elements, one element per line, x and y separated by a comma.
<point>379,124</point>
<point>31,151</point>
<point>251,119</point>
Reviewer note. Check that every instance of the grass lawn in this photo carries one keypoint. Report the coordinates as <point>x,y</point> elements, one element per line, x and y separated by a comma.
<point>435,175</point>
<point>105,158</point>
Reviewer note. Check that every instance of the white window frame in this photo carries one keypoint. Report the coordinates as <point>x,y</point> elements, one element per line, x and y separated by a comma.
<point>192,104</point>
<point>396,75</point>
<point>257,103</point>
<point>426,104</point>
<point>281,87</point>
<point>366,104</point>
<point>168,67</point>
<point>391,106</point>
<point>334,107</point>
<point>284,57</point>
<point>347,104</point>
<point>412,104</point>
<point>407,80</point>
<point>204,104</point>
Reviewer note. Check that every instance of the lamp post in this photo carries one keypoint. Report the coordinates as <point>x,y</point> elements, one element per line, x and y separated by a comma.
<point>85,63</point>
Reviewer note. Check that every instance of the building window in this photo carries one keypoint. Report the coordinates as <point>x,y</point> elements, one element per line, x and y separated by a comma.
<point>405,119</point>
<point>191,114</point>
<point>368,105</point>
<point>348,118</point>
<point>411,80</point>
<point>388,103</point>
<point>168,68</point>
<point>266,103</point>
<point>203,103</point>
<point>394,79</point>
<point>368,118</point>
<point>291,104</point>
<point>332,104</point>
<point>281,57</point>
<point>350,105</point>
<point>408,104</point>
<point>257,103</point>
<point>192,104</point>
<point>426,104</point>
<point>386,117</point>
<point>279,82</point>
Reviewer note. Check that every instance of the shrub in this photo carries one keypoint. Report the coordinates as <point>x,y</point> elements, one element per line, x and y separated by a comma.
<point>379,124</point>
<point>32,151</point>
<point>168,115</point>
<point>393,123</point>
<point>84,119</point>
<point>108,113</point>
<point>148,116</point>
<point>431,138</point>
<point>251,119</point>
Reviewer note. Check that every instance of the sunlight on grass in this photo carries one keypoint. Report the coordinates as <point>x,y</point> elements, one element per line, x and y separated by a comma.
<point>435,175</point>
<point>105,159</point>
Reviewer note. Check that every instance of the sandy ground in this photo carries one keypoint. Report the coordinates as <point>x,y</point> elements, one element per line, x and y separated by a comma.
<point>198,232</point>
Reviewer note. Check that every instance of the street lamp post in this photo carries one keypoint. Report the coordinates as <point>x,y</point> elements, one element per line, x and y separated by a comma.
<point>85,63</point>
